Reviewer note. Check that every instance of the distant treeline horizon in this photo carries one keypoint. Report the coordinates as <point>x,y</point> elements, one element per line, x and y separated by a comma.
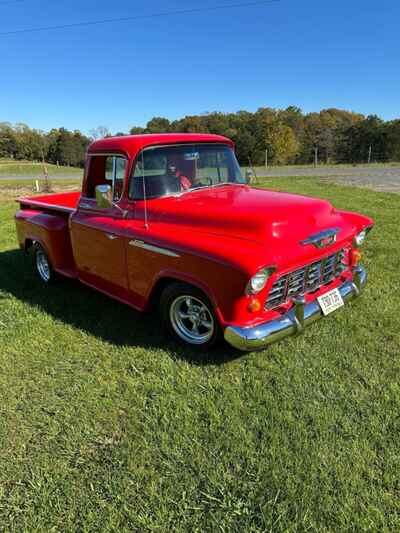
<point>275,136</point>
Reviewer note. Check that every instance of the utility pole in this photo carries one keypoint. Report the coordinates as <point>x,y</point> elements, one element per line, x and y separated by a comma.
<point>266,158</point>
<point>316,156</point>
<point>369,154</point>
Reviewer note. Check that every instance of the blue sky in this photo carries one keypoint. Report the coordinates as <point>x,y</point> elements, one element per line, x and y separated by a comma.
<point>311,54</point>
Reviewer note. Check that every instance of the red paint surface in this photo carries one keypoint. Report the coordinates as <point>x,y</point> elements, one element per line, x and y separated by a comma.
<point>222,236</point>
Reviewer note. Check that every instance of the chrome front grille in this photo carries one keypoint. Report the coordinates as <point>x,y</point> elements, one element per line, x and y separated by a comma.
<point>307,279</point>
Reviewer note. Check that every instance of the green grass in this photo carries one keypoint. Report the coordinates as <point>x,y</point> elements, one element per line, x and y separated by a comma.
<point>107,426</point>
<point>12,189</point>
<point>30,169</point>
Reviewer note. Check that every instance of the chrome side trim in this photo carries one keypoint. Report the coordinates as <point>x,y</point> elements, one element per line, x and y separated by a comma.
<point>292,322</point>
<point>152,248</point>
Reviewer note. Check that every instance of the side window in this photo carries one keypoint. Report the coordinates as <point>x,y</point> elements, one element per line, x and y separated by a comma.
<point>109,168</point>
<point>106,170</point>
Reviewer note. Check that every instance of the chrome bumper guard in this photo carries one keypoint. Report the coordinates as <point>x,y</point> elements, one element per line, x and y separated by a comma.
<point>293,322</point>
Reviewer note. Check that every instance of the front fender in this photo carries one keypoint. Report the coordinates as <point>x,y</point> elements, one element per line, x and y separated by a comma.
<point>359,221</point>
<point>223,284</point>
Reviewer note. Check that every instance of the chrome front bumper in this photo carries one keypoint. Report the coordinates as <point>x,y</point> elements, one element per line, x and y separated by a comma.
<point>293,322</point>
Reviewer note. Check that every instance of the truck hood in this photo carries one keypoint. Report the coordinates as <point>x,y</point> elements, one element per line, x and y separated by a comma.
<point>243,212</point>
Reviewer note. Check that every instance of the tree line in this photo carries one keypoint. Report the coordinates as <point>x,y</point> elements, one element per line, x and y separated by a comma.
<point>288,136</point>
<point>280,136</point>
<point>58,146</point>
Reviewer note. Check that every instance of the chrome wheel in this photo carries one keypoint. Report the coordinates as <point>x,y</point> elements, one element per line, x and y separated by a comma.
<point>42,265</point>
<point>191,320</point>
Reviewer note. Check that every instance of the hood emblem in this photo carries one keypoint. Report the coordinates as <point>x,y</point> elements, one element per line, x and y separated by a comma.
<point>322,239</point>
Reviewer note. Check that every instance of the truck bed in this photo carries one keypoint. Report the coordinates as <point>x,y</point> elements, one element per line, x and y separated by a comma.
<point>44,219</point>
<point>61,202</point>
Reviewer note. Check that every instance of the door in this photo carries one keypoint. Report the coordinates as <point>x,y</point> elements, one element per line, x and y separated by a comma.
<point>98,233</point>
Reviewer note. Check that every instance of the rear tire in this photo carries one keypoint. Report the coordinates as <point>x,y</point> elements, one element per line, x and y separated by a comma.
<point>188,316</point>
<point>42,265</point>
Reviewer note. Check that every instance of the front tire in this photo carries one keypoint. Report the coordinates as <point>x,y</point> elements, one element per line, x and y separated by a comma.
<point>42,265</point>
<point>188,316</point>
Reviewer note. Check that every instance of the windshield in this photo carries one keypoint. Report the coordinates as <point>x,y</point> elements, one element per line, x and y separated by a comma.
<point>176,169</point>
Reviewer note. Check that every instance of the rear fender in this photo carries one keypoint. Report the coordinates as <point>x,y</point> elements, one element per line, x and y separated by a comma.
<point>50,231</point>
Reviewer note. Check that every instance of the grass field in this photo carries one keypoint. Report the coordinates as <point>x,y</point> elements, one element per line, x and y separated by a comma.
<point>107,426</point>
<point>9,167</point>
<point>12,189</point>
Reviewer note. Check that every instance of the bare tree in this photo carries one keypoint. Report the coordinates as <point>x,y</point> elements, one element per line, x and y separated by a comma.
<point>99,133</point>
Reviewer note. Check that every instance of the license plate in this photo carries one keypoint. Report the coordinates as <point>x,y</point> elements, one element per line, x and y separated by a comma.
<point>330,301</point>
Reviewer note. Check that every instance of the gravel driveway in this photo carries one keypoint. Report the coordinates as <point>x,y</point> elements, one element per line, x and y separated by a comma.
<point>385,179</point>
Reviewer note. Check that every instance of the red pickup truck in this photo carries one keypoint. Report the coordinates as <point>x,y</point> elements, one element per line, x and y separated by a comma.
<point>170,220</point>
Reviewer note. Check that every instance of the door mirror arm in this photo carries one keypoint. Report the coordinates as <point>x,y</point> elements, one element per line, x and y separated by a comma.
<point>124,212</point>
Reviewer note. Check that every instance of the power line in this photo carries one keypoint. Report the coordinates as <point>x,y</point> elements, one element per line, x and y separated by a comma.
<point>136,17</point>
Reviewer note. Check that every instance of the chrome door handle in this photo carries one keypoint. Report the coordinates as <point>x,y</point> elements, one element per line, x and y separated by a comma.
<point>85,206</point>
<point>111,236</point>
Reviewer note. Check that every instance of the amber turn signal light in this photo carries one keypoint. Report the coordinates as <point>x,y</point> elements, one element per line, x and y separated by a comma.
<point>254,305</point>
<point>355,257</point>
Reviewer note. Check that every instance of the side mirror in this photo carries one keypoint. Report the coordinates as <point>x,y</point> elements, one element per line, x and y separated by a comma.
<point>249,176</point>
<point>104,196</point>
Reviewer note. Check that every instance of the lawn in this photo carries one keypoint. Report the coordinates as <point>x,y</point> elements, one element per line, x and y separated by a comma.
<point>12,189</point>
<point>8,167</point>
<point>107,426</point>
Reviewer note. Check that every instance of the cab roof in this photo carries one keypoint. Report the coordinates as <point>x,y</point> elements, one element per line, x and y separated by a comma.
<point>132,144</point>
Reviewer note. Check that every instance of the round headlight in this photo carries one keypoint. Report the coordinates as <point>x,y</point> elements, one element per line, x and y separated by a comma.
<point>360,238</point>
<point>259,280</point>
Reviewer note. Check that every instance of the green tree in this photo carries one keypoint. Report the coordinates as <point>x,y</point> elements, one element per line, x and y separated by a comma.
<point>392,138</point>
<point>67,148</point>
<point>158,125</point>
<point>137,130</point>
<point>274,136</point>
<point>8,142</point>
<point>282,144</point>
<point>189,124</point>
<point>363,138</point>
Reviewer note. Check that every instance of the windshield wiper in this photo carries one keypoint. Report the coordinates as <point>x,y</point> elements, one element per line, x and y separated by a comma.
<point>199,187</point>
<point>225,183</point>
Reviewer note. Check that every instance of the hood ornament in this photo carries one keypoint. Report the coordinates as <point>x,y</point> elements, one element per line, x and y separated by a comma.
<point>322,239</point>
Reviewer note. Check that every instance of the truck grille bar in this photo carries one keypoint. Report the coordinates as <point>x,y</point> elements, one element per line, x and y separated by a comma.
<point>307,279</point>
